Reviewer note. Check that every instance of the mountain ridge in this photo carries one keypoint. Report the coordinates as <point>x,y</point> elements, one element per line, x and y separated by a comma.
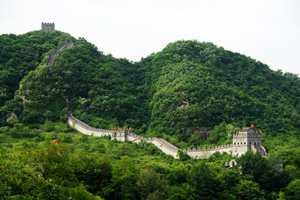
<point>222,88</point>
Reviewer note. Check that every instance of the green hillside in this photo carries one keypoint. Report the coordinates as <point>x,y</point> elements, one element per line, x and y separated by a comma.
<point>187,84</point>
<point>170,94</point>
<point>191,84</point>
<point>21,53</point>
<point>101,87</point>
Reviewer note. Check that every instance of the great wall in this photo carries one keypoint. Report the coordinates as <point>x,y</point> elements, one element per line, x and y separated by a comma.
<point>246,140</point>
<point>50,60</point>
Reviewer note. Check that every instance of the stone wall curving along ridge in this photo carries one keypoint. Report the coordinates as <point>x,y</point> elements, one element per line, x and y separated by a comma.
<point>168,148</point>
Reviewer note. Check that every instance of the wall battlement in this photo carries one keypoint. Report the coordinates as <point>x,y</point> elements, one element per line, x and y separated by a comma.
<point>45,23</point>
<point>241,135</point>
<point>238,147</point>
<point>208,148</point>
<point>87,127</point>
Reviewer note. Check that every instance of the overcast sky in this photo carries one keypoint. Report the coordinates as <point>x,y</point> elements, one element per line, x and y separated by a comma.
<point>266,30</point>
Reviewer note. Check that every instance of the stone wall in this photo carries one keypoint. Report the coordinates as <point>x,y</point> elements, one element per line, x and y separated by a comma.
<point>122,135</point>
<point>205,152</point>
<point>86,129</point>
<point>165,146</point>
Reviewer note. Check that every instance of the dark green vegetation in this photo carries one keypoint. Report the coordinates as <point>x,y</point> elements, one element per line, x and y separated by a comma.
<point>187,84</point>
<point>85,167</point>
<point>217,86</point>
<point>22,53</point>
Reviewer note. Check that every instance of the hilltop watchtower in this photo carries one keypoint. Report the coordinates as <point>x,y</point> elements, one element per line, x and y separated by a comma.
<point>247,140</point>
<point>48,26</point>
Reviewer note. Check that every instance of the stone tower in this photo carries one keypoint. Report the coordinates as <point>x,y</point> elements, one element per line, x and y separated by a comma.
<point>247,140</point>
<point>48,26</point>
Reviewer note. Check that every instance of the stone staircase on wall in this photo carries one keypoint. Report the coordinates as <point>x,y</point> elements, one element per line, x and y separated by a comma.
<point>261,150</point>
<point>50,60</point>
<point>253,148</point>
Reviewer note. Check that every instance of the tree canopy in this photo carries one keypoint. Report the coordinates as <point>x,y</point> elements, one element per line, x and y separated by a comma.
<point>172,94</point>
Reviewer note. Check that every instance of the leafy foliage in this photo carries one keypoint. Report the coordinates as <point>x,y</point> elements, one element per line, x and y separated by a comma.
<point>87,167</point>
<point>192,84</point>
<point>188,84</point>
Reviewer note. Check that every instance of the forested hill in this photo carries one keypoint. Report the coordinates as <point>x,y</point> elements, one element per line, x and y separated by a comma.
<point>187,84</point>
<point>22,53</point>
<point>190,84</point>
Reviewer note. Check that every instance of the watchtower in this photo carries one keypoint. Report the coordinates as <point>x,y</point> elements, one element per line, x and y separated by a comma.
<point>48,26</point>
<point>247,139</point>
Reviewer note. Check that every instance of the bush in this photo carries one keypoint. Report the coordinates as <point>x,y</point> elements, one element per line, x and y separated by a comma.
<point>52,135</point>
<point>98,147</point>
<point>48,126</point>
<point>6,145</point>
<point>27,145</point>
<point>60,127</point>
<point>182,155</point>
<point>2,138</point>
<point>84,138</point>
<point>4,129</point>
<point>65,137</point>
<point>15,133</point>
<point>30,117</point>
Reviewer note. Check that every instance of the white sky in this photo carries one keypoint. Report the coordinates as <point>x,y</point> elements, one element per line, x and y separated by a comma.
<point>266,30</point>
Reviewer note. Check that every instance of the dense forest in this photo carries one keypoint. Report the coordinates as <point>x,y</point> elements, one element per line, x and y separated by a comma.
<point>169,94</point>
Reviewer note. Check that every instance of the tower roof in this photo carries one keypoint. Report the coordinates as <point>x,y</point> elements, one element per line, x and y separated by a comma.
<point>247,132</point>
<point>246,129</point>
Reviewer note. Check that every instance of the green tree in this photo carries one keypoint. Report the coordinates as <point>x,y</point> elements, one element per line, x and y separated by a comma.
<point>15,176</point>
<point>95,171</point>
<point>151,183</point>
<point>292,191</point>
<point>52,161</point>
<point>262,171</point>
<point>124,179</point>
<point>208,181</point>
<point>182,192</point>
<point>249,190</point>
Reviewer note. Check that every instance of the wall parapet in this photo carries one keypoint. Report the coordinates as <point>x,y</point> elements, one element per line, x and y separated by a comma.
<point>252,135</point>
<point>87,127</point>
<point>216,148</point>
<point>161,141</point>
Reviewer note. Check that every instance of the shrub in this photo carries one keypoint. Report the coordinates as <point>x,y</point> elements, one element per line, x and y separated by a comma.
<point>65,137</point>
